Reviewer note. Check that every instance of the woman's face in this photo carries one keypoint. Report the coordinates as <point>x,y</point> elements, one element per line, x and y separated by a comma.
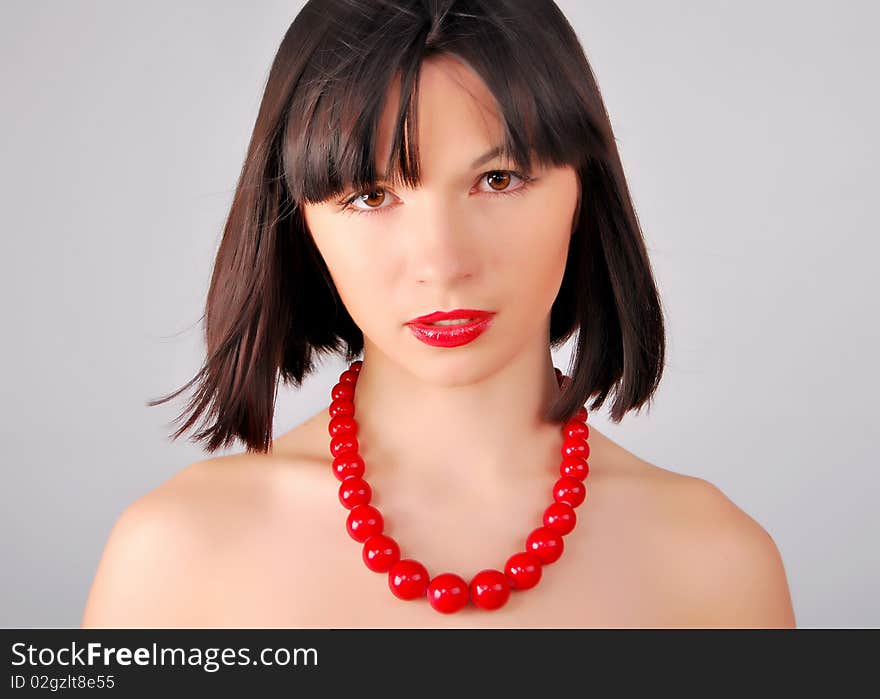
<point>474,235</point>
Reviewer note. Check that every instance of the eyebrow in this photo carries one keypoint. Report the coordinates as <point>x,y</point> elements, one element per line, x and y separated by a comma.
<point>484,158</point>
<point>487,156</point>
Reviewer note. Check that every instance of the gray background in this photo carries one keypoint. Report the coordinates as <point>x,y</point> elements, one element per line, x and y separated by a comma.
<point>747,131</point>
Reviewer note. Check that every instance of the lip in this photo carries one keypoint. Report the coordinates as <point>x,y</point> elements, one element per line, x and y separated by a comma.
<point>450,335</point>
<point>457,314</point>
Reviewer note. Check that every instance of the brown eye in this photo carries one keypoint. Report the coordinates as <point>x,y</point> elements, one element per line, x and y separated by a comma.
<point>373,202</point>
<point>500,178</point>
<point>370,198</point>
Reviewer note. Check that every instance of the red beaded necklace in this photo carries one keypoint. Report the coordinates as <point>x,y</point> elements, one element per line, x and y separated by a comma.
<point>448,592</point>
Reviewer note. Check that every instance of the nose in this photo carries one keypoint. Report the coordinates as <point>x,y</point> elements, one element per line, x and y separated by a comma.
<point>443,247</point>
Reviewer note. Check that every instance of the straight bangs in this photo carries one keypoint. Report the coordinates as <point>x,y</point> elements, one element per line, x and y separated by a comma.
<point>329,138</point>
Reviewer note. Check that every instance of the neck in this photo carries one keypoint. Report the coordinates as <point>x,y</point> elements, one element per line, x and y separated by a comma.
<point>457,419</point>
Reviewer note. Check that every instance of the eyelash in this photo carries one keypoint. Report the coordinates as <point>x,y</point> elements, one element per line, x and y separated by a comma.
<point>347,207</point>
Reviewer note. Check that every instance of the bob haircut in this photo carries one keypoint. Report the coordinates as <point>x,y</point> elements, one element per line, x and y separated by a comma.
<point>272,305</point>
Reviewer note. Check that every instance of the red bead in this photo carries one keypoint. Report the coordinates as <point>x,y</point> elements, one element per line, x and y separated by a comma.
<point>523,570</point>
<point>570,490</point>
<point>489,589</point>
<point>354,491</point>
<point>363,522</point>
<point>546,544</point>
<point>342,424</point>
<point>380,553</point>
<point>560,517</point>
<point>348,464</point>
<point>408,579</point>
<point>574,428</point>
<point>341,407</point>
<point>344,391</point>
<point>448,593</point>
<point>575,467</point>
<point>575,446</point>
<point>344,443</point>
<point>348,376</point>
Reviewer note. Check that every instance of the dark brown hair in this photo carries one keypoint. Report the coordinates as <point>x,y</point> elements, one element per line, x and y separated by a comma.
<point>272,304</point>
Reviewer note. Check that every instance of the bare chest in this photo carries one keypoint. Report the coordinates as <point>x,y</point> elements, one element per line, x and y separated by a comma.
<point>619,569</point>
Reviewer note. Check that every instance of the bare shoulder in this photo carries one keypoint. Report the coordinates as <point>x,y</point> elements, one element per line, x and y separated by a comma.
<point>722,567</point>
<point>739,578</point>
<point>170,556</point>
<point>157,566</point>
<point>727,565</point>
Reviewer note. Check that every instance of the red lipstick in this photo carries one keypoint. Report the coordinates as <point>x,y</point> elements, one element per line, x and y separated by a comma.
<point>454,335</point>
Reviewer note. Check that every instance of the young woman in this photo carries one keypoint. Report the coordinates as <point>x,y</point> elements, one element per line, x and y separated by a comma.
<point>432,188</point>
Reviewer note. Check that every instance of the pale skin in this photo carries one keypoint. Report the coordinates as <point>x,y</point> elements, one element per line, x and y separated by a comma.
<point>260,541</point>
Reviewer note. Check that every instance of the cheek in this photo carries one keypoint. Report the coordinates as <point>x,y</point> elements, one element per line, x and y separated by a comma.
<point>534,246</point>
<point>364,278</point>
